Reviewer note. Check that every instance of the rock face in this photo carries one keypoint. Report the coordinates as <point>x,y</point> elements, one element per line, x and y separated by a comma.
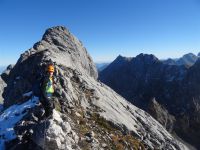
<point>87,115</point>
<point>3,79</point>
<point>2,86</point>
<point>161,114</point>
<point>170,93</point>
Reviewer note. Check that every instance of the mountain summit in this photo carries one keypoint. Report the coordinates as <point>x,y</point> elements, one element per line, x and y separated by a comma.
<point>87,115</point>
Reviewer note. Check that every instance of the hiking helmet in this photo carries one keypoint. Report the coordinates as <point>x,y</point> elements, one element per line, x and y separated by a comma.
<point>50,68</point>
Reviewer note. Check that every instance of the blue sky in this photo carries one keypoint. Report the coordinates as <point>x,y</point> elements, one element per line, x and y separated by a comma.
<point>107,28</point>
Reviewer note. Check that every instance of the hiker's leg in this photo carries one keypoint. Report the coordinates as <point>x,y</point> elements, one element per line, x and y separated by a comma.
<point>49,107</point>
<point>43,102</point>
<point>50,104</point>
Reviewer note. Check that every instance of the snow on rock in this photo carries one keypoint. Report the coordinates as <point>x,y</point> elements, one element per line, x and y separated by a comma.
<point>50,134</point>
<point>10,117</point>
<point>28,94</point>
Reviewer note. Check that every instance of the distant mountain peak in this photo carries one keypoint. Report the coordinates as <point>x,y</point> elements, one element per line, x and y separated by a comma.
<point>120,57</point>
<point>146,58</point>
<point>187,60</point>
<point>146,55</point>
<point>121,60</point>
<point>141,56</point>
<point>189,55</point>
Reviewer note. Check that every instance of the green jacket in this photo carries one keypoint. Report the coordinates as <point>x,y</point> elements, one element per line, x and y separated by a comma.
<point>47,86</point>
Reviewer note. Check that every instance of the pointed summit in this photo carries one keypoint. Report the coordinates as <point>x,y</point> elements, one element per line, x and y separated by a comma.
<point>59,45</point>
<point>122,59</point>
<point>146,58</point>
<point>58,35</point>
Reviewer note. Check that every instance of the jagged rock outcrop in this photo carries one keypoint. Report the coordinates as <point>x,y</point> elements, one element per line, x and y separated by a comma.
<point>3,79</point>
<point>161,114</point>
<point>175,89</point>
<point>87,115</point>
<point>2,86</point>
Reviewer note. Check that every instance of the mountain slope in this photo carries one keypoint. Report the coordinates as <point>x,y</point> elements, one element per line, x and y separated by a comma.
<point>88,114</point>
<point>170,93</point>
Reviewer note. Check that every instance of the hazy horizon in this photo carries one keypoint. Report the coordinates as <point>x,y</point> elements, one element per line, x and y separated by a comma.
<point>100,62</point>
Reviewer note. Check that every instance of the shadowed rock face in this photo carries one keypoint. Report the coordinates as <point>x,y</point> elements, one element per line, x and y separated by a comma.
<point>88,114</point>
<point>161,114</point>
<point>175,90</point>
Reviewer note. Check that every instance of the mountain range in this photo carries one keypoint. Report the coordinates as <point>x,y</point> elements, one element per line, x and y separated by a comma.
<point>169,92</point>
<point>187,60</point>
<point>87,115</point>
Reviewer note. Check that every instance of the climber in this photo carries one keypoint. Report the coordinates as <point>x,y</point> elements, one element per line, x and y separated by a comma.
<point>47,90</point>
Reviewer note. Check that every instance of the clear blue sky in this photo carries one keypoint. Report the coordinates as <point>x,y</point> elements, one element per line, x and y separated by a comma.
<point>107,28</point>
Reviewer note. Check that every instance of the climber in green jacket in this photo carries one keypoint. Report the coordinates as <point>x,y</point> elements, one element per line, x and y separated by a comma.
<point>47,88</point>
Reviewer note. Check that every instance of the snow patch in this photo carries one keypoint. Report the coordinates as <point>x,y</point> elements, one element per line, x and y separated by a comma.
<point>27,94</point>
<point>10,117</point>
